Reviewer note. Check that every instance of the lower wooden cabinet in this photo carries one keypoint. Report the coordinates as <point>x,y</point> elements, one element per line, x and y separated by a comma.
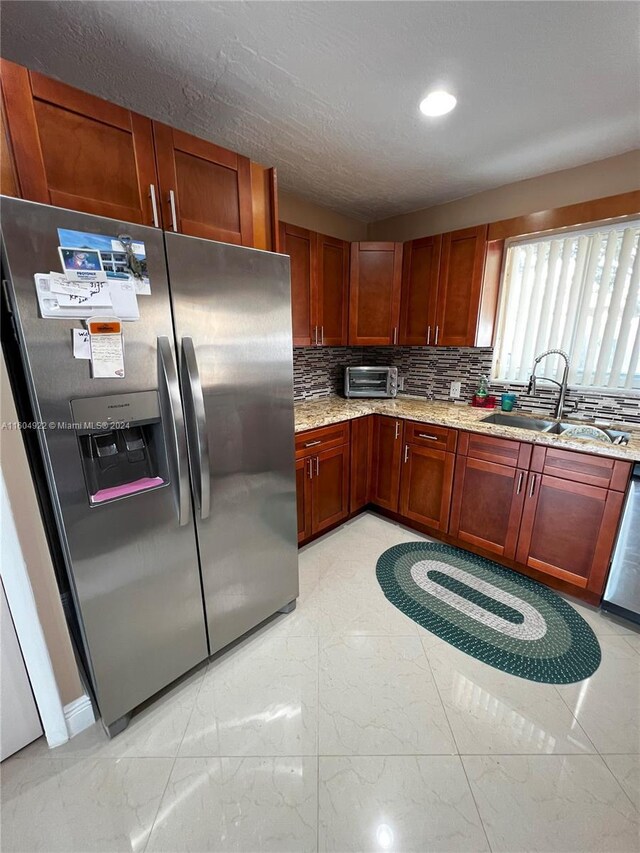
<point>487,505</point>
<point>494,496</point>
<point>426,483</point>
<point>303,497</point>
<point>387,459</point>
<point>329,488</point>
<point>568,530</point>
<point>322,479</point>
<point>361,462</point>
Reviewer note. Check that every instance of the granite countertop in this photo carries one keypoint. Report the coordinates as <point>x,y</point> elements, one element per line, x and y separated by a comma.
<point>331,410</point>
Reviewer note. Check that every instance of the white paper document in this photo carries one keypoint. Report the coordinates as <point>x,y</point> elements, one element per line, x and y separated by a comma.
<point>60,298</point>
<point>107,347</point>
<point>59,284</point>
<point>124,299</point>
<point>81,344</point>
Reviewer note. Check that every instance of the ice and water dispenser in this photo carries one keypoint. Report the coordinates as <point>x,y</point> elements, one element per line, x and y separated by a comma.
<point>121,444</point>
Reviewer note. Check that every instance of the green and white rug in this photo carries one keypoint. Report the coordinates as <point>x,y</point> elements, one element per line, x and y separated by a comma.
<point>494,614</point>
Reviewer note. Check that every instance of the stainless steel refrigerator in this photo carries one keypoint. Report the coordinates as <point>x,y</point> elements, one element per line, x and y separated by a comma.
<point>173,486</point>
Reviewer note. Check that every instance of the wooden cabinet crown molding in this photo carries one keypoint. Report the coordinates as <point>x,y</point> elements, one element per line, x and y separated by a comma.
<point>583,213</point>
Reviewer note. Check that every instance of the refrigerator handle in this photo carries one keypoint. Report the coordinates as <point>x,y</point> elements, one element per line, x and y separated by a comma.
<point>173,420</point>
<point>197,436</point>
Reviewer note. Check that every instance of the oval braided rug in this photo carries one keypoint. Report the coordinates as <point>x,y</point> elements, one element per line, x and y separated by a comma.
<point>494,614</point>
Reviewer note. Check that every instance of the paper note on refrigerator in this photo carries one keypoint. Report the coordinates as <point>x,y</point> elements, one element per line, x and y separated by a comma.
<point>59,298</point>
<point>107,347</point>
<point>81,343</point>
<point>124,299</point>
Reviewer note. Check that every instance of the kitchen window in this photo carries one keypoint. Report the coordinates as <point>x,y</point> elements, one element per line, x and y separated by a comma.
<point>578,291</point>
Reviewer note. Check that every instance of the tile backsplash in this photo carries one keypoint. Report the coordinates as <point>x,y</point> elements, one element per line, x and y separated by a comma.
<point>428,372</point>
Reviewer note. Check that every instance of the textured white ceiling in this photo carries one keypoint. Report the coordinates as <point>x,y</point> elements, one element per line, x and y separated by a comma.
<point>328,91</point>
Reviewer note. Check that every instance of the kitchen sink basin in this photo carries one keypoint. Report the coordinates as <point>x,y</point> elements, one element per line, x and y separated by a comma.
<point>613,435</point>
<point>519,421</point>
<point>553,427</point>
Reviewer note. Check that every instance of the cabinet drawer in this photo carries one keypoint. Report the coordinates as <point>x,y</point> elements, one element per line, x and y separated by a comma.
<point>582,467</point>
<point>490,449</point>
<point>428,435</point>
<point>312,441</point>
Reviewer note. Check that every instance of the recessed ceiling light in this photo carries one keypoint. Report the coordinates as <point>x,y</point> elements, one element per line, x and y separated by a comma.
<point>438,103</point>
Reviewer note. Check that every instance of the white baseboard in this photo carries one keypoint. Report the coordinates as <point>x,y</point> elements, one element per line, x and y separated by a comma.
<point>79,715</point>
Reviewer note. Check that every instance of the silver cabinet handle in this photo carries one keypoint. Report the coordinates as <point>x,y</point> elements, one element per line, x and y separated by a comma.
<point>397,430</point>
<point>311,469</point>
<point>428,335</point>
<point>196,426</point>
<point>395,334</point>
<point>406,452</point>
<point>172,202</point>
<point>312,443</point>
<point>533,485</point>
<point>173,427</point>
<point>520,479</point>
<point>437,334</point>
<point>154,204</point>
<point>317,466</point>
<point>322,335</point>
<point>430,437</point>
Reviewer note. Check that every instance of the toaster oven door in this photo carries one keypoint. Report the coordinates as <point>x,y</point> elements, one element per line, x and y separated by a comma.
<point>369,382</point>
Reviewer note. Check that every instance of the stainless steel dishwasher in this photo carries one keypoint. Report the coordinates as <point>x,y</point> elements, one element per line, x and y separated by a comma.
<point>622,593</point>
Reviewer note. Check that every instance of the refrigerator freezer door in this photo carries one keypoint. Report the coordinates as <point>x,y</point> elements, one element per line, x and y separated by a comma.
<point>232,314</point>
<point>132,562</point>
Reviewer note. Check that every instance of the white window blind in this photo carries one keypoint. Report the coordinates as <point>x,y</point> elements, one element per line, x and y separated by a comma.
<point>579,292</point>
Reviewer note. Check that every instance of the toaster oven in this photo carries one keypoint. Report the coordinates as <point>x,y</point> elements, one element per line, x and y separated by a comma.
<point>370,381</point>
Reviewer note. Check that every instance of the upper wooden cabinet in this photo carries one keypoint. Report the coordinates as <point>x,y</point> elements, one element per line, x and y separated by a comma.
<point>74,150</point>
<point>374,302</point>
<point>300,245</point>
<point>77,151</point>
<point>450,289</point>
<point>205,190</point>
<point>460,286</point>
<point>332,294</point>
<point>420,271</point>
<point>319,286</point>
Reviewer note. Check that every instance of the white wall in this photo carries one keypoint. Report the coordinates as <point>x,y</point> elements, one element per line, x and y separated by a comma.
<point>603,178</point>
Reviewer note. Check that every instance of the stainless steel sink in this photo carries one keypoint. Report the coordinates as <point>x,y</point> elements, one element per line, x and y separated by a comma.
<point>613,435</point>
<point>553,427</point>
<point>519,422</point>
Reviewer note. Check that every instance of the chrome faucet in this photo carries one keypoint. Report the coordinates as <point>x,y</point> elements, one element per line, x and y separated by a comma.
<point>531,388</point>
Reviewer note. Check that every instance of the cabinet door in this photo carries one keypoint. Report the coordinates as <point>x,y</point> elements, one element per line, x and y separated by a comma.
<point>299,244</point>
<point>460,287</point>
<point>361,461</point>
<point>387,455</point>
<point>425,492</point>
<point>77,151</point>
<point>303,495</point>
<point>421,266</point>
<point>374,307</point>
<point>205,190</point>
<point>330,487</point>
<point>568,530</point>
<point>487,505</point>
<point>332,290</point>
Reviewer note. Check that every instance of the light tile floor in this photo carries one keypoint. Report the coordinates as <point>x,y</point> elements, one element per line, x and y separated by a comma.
<point>344,726</point>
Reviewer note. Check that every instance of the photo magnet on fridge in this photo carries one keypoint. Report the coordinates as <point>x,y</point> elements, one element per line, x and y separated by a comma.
<point>122,258</point>
<point>81,264</point>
